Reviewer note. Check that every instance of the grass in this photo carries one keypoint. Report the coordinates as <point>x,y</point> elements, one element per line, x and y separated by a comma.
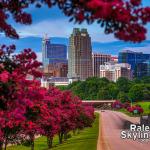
<point>85,140</point>
<point>144,105</point>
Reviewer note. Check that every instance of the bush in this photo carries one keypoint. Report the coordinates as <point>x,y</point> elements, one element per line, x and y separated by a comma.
<point>135,109</point>
<point>117,105</point>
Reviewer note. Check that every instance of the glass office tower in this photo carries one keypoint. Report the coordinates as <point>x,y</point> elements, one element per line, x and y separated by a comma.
<point>136,60</point>
<point>53,53</point>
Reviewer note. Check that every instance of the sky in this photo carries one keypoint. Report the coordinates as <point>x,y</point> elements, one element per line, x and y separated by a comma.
<point>55,24</point>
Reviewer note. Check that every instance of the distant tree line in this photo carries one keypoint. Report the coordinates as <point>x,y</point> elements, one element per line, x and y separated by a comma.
<point>102,89</point>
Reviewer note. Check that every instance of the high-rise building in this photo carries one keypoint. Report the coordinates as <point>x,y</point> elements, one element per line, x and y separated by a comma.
<point>53,53</point>
<point>80,55</point>
<point>97,60</point>
<point>147,67</point>
<point>143,69</point>
<point>134,59</point>
<point>113,71</point>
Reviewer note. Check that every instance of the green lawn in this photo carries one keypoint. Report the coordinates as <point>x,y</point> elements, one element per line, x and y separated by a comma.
<point>85,140</point>
<point>144,105</point>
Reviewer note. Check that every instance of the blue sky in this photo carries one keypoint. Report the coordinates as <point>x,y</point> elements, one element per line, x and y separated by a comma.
<point>55,24</point>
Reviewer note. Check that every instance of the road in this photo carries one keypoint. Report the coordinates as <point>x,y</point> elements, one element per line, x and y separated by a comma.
<point>111,124</point>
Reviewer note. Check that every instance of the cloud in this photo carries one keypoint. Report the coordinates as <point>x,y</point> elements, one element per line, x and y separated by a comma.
<point>27,34</point>
<point>63,28</point>
<point>145,49</point>
<point>50,27</point>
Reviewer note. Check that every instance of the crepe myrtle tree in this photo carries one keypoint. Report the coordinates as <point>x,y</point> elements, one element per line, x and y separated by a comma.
<point>51,115</point>
<point>73,115</point>
<point>126,19</point>
<point>84,114</point>
<point>13,105</point>
<point>67,115</point>
<point>36,109</point>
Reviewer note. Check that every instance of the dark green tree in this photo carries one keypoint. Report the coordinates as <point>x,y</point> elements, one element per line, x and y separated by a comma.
<point>146,92</point>
<point>136,92</point>
<point>103,94</point>
<point>146,80</point>
<point>123,97</point>
<point>113,90</point>
<point>123,84</point>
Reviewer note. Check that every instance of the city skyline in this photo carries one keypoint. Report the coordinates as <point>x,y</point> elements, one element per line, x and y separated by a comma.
<point>107,48</point>
<point>84,63</point>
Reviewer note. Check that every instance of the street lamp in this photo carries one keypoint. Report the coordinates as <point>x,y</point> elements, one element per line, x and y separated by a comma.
<point>131,102</point>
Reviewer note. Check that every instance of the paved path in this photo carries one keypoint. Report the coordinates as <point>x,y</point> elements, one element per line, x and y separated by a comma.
<point>111,124</point>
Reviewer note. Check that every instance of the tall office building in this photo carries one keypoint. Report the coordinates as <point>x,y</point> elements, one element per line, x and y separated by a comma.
<point>143,69</point>
<point>135,59</point>
<point>53,53</point>
<point>97,60</point>
<point>80,55</point>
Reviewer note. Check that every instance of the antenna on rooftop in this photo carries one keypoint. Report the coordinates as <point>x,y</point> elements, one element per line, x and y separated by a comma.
<point>46,36</point>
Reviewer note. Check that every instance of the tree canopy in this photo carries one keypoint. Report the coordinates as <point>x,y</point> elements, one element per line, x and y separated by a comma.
<point>102,89</point>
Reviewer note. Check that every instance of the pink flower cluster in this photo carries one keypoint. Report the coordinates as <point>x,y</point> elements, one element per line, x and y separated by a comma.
<point>137,109</point>
<point>117,105</point>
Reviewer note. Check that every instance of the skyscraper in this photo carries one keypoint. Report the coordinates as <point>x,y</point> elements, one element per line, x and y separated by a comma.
<point>135,59</point>
<point>53,53</point>
<point>97,60</point>
<point>80,55</point>
<point>143,69</point>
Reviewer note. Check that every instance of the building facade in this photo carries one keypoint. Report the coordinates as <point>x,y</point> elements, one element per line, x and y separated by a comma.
<point>53,53</point>
<point>113,71</point>
<point>80,55</point>
<point>114,59</point>
<point>54,81</point>
<point>56,70</point>
<point>97,60</point>
<point>135,59</point>
<point>143,69</point>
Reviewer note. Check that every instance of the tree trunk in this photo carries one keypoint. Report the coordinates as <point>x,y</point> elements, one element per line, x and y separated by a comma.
<point>1,145</point>
<point>78,131</point>
<point>49,142</point>
<point>32,141</point>
<point>65,136</point>
<point>74,132</point>
<point>5,144</point>
<point>60,137</point>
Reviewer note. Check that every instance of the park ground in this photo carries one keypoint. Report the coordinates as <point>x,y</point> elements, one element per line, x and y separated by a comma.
<point>85,140</point>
